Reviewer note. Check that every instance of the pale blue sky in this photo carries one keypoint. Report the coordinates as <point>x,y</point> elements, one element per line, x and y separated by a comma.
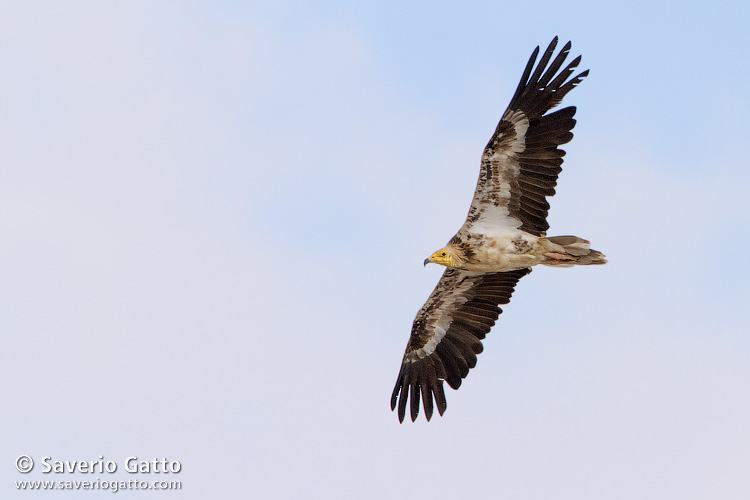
<point>213,218</point>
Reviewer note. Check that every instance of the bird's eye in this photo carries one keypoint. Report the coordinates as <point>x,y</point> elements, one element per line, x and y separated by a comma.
<point>443,254</point>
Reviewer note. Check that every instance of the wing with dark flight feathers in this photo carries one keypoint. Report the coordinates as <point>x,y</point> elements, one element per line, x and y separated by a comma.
<point>522,160</point>
<point>446,336</point>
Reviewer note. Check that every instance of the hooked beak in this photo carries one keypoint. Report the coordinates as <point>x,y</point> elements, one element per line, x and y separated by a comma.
<point>427,261</point>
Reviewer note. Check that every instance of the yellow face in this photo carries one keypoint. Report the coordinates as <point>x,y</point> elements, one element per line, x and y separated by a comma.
<point>442,257</point>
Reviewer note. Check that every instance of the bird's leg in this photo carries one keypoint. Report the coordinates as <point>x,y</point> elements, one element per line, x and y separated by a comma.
<point>559,256</point>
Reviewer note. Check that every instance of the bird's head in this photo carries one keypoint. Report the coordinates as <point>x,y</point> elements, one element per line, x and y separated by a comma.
<point>445,257</point>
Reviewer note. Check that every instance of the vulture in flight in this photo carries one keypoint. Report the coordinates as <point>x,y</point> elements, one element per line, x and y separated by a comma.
<point>504,235</point>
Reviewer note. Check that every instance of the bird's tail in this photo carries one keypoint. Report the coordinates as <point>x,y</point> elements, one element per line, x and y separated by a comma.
<point>566,251</point>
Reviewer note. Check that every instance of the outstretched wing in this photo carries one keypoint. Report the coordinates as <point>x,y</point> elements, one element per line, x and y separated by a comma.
<point>446,336</point>
<point>521,162</point>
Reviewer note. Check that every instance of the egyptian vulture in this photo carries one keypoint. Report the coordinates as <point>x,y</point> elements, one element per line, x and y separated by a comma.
<point>503,237</point>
